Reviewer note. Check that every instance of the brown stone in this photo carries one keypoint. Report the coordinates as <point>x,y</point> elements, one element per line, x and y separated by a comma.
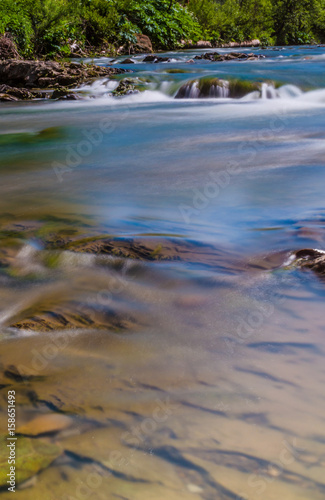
<point>143,43</point>
<point>45,74</point>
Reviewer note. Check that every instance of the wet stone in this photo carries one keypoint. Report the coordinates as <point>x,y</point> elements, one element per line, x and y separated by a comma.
<point>310,259</point>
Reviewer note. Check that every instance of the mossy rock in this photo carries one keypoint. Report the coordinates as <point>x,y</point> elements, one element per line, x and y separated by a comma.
<point>32,456</point>
<point>205,85</point>
<point>217,87</point>
<point>126,87</point>
<point>240,88</point>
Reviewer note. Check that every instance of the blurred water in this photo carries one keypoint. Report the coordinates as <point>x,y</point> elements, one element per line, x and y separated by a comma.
<point>211,325</point>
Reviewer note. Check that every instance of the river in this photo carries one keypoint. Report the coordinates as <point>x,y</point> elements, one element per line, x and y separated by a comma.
<point>151,328</point>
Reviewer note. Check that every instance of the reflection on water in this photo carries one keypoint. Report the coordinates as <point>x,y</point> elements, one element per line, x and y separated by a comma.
<point>158,347</point>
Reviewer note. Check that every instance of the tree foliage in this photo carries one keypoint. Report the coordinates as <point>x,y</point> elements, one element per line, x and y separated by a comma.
<point>47,27</point>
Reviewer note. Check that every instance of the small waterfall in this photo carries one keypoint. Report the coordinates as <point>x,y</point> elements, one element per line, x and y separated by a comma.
<point>220,91</point>
<point>189,90</point>
<point>268,91</point>
<point>216,88</point>
<point>289,91</point>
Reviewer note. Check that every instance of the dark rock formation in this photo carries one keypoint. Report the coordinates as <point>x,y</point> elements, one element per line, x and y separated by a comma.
<point>8,93</point>
<point>49,74</point>
<point>232,56</point>
<point>155,59</point>
<point>64,94</point>
<point>311,259</point>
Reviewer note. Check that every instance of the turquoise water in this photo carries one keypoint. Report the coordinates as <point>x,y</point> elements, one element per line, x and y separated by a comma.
<point>232,339</point>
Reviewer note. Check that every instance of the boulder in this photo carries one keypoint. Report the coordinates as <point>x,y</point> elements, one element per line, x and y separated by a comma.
<point>156,59</point>
<point>127,61</point>
<point>310,259</point>
<point>47,74</point>
<point>143,44</point>
<point>125,87</point>
<point>64,94</point>
<point>8,49</point>
<point>18,94</point>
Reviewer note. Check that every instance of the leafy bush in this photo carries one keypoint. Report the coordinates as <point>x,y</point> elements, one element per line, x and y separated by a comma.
<point>14,20</point>
<point>99,20</point>
<point>166,22</point>
<point>47,27</point>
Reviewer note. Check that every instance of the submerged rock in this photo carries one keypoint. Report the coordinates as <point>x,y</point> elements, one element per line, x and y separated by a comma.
<point>34,455</point>
<point>47,74</point>
<point>74,315</point>
<point>159,249</point>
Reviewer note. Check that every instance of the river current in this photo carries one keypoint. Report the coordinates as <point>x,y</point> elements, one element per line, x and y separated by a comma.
<point>157,342</point>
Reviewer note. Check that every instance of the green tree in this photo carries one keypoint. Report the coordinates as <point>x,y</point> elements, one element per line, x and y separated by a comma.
<point>293,21</point>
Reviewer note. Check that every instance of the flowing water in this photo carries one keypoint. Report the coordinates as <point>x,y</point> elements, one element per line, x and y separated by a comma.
<point>149,326</point>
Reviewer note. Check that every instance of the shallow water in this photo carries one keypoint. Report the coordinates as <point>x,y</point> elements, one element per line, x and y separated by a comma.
<point>188,359</point>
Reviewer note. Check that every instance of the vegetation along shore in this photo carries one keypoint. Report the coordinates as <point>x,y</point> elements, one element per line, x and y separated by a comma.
<point>65,28</point>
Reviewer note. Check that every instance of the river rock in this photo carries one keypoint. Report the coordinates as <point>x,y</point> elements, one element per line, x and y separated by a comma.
<point>155,59</point>
<point>217,57</point>
<point>7,98</point>
<point>74,315</point>
<point>127,61</point>
<point>125,87</point>
<point>311,259</point>
<point>47,74</point>
<point>216,87</point>
<point>64,94</point>
<point>17,94</point>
